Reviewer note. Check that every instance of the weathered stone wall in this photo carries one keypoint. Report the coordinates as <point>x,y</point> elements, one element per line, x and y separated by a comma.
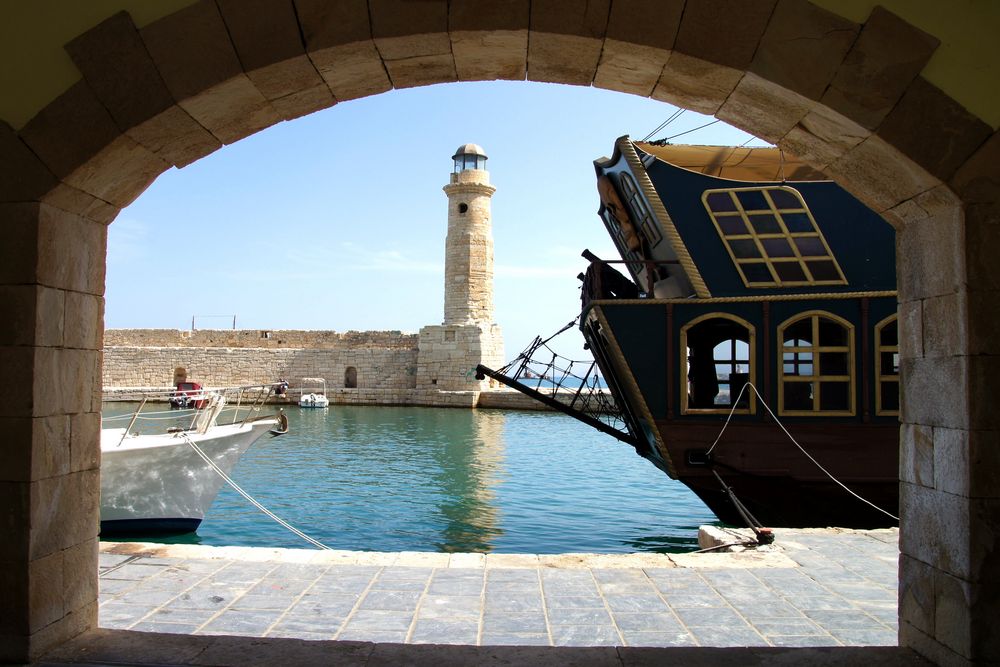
<point>449,354</point>
<point>147,358</point>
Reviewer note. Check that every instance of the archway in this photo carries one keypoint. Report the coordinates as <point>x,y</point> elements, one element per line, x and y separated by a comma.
<point>848,97</point>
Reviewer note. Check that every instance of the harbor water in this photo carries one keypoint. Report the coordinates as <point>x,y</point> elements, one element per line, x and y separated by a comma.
<point>449,480</point>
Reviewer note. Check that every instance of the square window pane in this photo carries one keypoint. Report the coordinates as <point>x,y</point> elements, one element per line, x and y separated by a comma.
<point>731,225</point>
<point>823,270</point>
<point>777,248</point>
<point>722,371</point>
<point>834,396</point>
<point>890,334</point>
<point>720,201</point>
<point>765,223</point>
<point>784,199</point>
<point>832,334</point>
<point>798,395</point>
<point>890,396</point>
<point>889,363</point>
<point>799,334</point>
<point>789,272</point>
<point>744,248</point>
<point>797,222</point>
<point>757,273</point>
<point>810,246</point>
<point>833,363</point>
<point>753,200</point>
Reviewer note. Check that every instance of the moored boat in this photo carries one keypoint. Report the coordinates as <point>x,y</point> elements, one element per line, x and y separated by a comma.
<point>164,483</point>
<point>313,393</point>
<point>750,283</point>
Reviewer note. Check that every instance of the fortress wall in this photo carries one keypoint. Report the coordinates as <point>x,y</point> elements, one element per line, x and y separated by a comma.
<point>260,338</point>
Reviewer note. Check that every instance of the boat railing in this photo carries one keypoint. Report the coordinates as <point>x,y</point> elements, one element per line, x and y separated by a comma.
<point>206,406</point>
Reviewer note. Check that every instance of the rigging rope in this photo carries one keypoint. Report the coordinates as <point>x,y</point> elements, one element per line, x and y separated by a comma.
<point>677,114</point>
<point>794,442</point>
<point>693,129</point>
<point>239,490</point>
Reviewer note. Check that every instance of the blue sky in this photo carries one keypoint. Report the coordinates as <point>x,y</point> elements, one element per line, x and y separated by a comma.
<point>337,220</point>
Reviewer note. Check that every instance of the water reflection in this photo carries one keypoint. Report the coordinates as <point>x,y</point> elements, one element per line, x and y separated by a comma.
<point>437,479</point>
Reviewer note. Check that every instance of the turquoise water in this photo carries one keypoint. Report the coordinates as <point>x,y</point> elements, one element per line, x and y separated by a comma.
<point>437,479</point>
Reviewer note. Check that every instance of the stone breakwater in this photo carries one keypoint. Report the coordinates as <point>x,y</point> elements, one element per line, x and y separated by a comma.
<point>384,367</point>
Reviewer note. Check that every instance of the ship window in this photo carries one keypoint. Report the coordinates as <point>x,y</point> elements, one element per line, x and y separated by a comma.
<point>772,224</point>
<point>816,374</point>
<point>719,358</point>
<point>887,367</point>
<point>640,212</point>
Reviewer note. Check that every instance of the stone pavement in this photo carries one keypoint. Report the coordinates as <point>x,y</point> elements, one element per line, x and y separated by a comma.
<point>813,588</point>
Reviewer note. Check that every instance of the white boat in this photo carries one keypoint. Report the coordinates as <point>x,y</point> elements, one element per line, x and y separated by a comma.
<point>161,483</point>
<point>316,396</point>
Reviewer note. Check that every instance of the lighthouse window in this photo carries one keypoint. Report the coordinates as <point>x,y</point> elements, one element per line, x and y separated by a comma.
<point>816,374</point>
<point>463,208</point>
<point>887,367</point>
<point>772,237</point>
<point>719,359</point>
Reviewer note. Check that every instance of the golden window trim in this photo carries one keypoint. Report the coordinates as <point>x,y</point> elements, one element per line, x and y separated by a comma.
<point>815,350</point>
<point>752,354</point>
<point>764,258</point>
<point>881,377</point>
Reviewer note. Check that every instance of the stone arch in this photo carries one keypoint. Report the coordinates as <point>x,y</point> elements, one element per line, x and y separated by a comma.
<point>351,378</point>
<point>848,97</point>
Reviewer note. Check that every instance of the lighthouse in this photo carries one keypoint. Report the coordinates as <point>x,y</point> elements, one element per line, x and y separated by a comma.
<point>468,335</point>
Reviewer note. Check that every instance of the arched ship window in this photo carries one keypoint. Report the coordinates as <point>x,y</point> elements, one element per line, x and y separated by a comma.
<point>719,358</point>
<point>816,373</point>
<point>351,378</point>
<point>887,367</point>
<point>771,237</point>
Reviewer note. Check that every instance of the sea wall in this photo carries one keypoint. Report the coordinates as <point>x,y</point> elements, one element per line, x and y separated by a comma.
<point>148,357</point>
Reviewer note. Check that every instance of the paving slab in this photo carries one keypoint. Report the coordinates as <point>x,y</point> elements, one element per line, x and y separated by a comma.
<point>813,588</point>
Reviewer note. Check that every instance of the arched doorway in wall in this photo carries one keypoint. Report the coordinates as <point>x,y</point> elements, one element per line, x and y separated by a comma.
<point>145,104</point>
<point>351,378</point>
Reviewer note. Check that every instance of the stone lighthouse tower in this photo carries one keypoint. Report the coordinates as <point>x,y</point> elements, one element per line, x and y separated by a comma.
<point>468,336</point>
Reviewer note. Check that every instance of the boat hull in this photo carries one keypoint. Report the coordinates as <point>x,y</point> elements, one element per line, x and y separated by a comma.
<point>158,484</point>
<point>778,483</point>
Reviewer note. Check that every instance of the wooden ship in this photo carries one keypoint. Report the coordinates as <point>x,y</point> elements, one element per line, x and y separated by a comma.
<point>755,295</point>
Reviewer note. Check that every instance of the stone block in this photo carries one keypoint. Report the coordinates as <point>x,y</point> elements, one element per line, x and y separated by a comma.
<point>21,305</point>
<point>879,175</point>
<point>582,18</point>
<point>743,23</point>
<point>70,251</point>
<point>983,321</point>
<point>952,456</point>
<point>19,251</point>
<point>175,137</point>
<point>119,172</point>
<point>628,68</point>
<point>18,363</point>
<point>887,55</point>
<point>496,16</point>
<point>117,67</point>
<point>982,243</point>
<point>64,380</point>
<point>23,176</point>
<point>45,591</point>
<point>802,47</point>
<point>958,133</point>
<point>84,317</point>
<point>64,512</point>
<point>352,70</point>
<point>304,102</point>
<point>404,29</point>
<point>488,55</point>
<point>930,258</point>
<point>952,613</point>
<point>72,200</point>
<point>916,594</point>
<point>326,24</point>
<point>645,23</point>
<point>984,388</point>
<point>823,136</point>
<point>70,130</point>
<point>978,181</point>
<point>935,529</point>
<point>945,325</point>
<point>50,447</point>
<point>696,84</point>
<point>79,566</point>
<point>563,58</point>
<point>911,331</point>
<point>764,108</point>
<point>192,50</point>
<point>936,391</point>
<point>917,455</point>
<point>231,110</point>
<point>423,70</point>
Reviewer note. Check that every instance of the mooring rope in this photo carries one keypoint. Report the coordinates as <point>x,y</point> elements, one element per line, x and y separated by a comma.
<point>794,442</point>
<point>239,490</point>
